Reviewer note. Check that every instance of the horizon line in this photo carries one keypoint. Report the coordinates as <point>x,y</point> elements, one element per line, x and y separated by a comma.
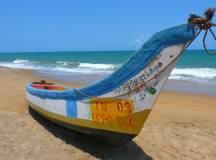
<point>123,50</point>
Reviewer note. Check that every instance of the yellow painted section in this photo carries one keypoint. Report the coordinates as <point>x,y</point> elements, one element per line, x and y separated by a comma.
<point>110,110</point>
<point>131,123</point>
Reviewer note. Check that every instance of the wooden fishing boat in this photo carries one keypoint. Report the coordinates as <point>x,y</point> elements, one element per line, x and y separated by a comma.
<point>115,108</point>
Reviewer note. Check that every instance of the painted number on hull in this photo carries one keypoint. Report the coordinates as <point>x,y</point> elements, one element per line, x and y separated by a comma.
<point>110,110</point>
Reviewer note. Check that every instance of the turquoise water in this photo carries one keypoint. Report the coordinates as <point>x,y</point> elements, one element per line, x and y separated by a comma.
<point>194,65</point>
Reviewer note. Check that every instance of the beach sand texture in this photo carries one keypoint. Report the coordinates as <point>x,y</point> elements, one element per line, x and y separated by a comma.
<point>181,126</point>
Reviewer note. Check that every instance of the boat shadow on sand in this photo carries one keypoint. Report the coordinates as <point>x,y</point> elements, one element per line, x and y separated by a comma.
<point>88,144</point>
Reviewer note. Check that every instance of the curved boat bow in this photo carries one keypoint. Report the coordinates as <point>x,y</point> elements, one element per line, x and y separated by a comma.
<point>116,107</point>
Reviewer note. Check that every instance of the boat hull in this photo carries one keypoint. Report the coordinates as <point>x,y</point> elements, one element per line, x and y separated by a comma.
<point>107,136</point>
<point>115,108</point>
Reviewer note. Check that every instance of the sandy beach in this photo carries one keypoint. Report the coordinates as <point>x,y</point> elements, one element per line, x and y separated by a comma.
<point>181,126</point>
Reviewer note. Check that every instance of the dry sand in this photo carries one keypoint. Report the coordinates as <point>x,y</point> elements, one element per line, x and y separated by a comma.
<point>181,126</point>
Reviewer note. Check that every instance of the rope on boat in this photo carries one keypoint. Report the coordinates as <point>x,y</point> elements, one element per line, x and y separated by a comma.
<point>201,23</point>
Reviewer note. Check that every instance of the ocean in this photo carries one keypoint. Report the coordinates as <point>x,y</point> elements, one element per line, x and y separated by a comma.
<point>194,65</point>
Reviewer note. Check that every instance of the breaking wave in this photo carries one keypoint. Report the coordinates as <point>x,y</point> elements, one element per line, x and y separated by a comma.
<point>194,74</point>
<point>61,66</point>
<point>70,68</point>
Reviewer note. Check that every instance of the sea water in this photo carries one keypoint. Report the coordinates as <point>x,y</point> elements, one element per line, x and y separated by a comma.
<point>194,65</point>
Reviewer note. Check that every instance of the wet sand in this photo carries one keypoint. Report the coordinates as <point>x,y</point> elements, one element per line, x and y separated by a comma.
<point>181,126</point>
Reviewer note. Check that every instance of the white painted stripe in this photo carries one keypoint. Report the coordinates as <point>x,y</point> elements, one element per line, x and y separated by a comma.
<point>36,100</point>
<point>84,110</point>
<point>55,106</point>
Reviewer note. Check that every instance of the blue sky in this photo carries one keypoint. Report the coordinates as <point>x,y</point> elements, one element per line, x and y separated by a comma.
<point>71,25</point>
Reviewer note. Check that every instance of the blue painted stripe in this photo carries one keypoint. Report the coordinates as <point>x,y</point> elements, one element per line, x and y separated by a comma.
<point>71,109</point>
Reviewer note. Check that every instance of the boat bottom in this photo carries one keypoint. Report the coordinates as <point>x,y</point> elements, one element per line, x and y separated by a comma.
<point>113,138</point>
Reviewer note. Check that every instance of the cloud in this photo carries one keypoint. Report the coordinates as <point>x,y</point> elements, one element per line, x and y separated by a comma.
<point>138,42</point>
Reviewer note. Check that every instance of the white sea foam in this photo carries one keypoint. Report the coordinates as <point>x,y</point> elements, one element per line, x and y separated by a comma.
<point>18,61</point>
<point>97,66</point>
<point>61,67</point>
<point>67,63</point>
<point>70,68</point>
<point>85,65</point>
<point>19,65</point>
<point>194,74</point>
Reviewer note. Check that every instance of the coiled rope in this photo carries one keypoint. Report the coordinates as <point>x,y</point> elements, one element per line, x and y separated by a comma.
<point>203,24</point>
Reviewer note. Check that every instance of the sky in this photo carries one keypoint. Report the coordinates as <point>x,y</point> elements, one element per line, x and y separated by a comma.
<point>89,25</point>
